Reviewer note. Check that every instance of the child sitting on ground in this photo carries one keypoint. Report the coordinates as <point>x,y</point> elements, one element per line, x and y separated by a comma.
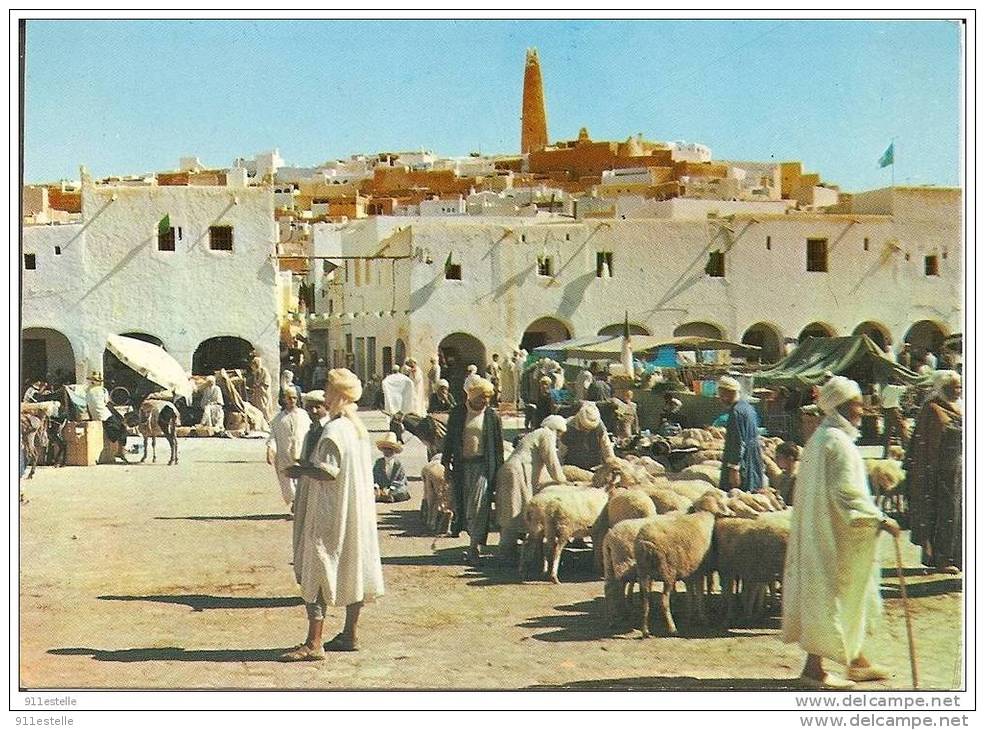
<point>389,478</point>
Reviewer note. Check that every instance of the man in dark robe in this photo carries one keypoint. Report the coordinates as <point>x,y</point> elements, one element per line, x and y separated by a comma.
<point>472,456</point>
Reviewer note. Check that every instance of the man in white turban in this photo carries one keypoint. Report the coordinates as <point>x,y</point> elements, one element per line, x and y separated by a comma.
<point>533,464</point>
<point>831,576</point>
<point>742,457</point>
<point>586,442</point>
<point>337,557</point>
<point>212,403</point>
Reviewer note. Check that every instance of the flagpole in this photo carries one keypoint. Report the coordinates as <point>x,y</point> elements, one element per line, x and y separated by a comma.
<point>892,168</point>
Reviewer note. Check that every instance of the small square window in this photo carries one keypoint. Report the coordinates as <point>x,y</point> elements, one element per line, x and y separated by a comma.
<point>523,238</point>
<point>906,257</point>
<point>817,254</point>
<point>58,250</point>
<point>930,266</point>
<point>567,236</point>
<point>769,243</point>
<point>716,264</point>
<point>30,261</point>
<point>865,244</point>
<point>453,272</point>
<point>603,264</point>
<point>165,240</point>
<point>545,266</point>
<point>221,238</point>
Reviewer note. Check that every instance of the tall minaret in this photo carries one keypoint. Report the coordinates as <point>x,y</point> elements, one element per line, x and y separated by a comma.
<point>533,125</point>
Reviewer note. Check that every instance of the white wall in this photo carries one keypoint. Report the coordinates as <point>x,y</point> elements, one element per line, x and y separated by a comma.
<point>658,276</point>
<point>111,278</point>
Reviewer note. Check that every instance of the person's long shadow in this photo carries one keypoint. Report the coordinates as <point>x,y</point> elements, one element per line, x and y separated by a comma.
<point>203,602</point>
<point>173,654</point>
<point>680,683</point>
<point>405,523</point>
<point>229,518</point>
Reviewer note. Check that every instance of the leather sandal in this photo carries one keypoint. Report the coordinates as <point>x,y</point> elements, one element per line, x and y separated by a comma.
<point>870,673</point>
<point>341,642</point>
<point>303,653</point>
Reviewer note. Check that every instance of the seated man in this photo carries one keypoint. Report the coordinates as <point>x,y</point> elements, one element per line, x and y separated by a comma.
<point>389,478</point>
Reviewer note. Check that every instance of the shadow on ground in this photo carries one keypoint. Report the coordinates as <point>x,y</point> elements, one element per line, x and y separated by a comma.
<point>924,589</point>
<point>403,523</point>
<point>227,518</point>
<point>203,602</point>
<point>173,654</point>
<point>694,684</point>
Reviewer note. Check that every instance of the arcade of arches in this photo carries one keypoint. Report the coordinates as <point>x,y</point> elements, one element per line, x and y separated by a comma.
<point>611,330</point>
<point>46,354</point>
<point>459,350</point>
<point>699,329</point>
<point>767,338</point>
<point>544,331</point>
<point>217,353</point>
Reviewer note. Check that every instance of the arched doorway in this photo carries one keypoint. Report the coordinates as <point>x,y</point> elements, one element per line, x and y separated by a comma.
<point>699,329</point>
<point>876,332</point>
<point>614,330</point>
<point>46,354</point>
<point>926,336</point>
<point>544,331</point>
<point>766,337</point>
<point>460,350</point>
<point>217,353</point>
<point>816,329</point>
<point>400,353</point>
<point>118,375</point>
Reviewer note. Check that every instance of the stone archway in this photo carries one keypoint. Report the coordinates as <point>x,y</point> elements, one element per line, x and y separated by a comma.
<point>46,354</point>
<point>699,329</point>
<point>221,352</point>
<point>400,353</point>
<point>816,329</point>
<point>459,350</point>
<point>615,330</point>
<point>877,332</point>
<point>766,337</point>
<point>544,331</point>
<point>926,336</point>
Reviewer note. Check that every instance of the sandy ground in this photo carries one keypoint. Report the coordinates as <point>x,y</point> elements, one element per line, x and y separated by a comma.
<point>148,576</point>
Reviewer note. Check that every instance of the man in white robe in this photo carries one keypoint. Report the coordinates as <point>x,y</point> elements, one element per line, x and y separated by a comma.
<point>831,576</point>
<point>398,393</point>
<point>420,404</point>
<point>338,547</point>
<point>213,414</point>
<point>287,431</point>
<point>533,464</point>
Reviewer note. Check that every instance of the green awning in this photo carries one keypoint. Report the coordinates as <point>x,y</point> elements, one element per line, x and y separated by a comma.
<point>856,357</point>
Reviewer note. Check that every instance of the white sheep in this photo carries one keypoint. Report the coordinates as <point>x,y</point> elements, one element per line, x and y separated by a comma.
<point>437,503</point>
<point>619,565</point>
<point>750,551</point>
<point>710,474</point>
<point>555,516</point>
<point>675,547</point>
<point>693,488</point>
<point>623,504</point>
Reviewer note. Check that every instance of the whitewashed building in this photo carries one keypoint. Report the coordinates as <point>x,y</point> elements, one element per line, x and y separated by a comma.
<point>888,264</point>
<point>188,267</point>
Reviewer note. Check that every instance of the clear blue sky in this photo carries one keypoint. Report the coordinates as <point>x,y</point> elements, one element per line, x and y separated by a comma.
<point>133,96</point>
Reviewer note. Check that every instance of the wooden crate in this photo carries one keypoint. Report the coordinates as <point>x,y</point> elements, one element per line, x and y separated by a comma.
<point>84,442</point>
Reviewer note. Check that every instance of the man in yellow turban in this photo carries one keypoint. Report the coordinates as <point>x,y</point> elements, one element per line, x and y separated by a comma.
<point>473,455</point>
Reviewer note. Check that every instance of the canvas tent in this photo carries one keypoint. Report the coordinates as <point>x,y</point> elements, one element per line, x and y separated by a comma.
<point>856,357</point>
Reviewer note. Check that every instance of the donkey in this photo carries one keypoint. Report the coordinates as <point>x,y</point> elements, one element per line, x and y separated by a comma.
<point>159,418</point>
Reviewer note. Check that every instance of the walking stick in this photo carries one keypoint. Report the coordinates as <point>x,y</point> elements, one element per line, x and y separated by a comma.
<point>906,612</point>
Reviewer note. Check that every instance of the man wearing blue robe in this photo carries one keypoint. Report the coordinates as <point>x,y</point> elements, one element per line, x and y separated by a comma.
<point>742,460</point>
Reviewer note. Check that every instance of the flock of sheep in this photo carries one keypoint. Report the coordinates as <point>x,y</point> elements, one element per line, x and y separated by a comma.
<point>648,525</point>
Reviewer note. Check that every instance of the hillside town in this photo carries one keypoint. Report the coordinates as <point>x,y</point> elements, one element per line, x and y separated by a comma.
<point>583,365</point>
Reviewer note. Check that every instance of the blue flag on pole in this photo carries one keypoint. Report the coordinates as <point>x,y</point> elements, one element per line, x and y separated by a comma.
<point>887,156</point>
